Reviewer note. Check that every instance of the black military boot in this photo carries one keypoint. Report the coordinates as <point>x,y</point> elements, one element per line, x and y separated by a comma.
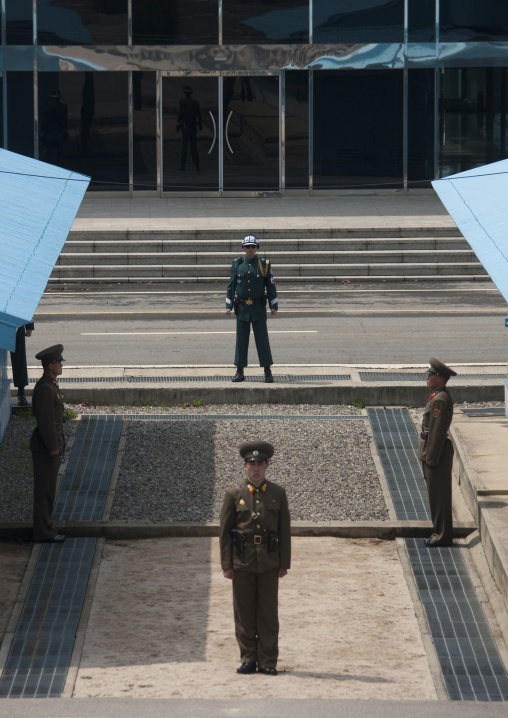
<point>22,400</point>
<point>239,376</point>
<point>268,375</point>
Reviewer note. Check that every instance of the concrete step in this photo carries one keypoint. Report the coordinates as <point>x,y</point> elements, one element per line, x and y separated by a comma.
<point>221,272</point>
<point>278,259</point>
<point>318,280</point>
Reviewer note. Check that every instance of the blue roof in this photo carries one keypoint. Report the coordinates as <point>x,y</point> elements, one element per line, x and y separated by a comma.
<point>477,201</point>
<point>38,204</point>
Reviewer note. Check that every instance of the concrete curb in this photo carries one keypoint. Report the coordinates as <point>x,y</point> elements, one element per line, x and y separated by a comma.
<point>122,530</point>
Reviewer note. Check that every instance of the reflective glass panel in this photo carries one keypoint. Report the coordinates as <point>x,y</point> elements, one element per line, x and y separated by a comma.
<point>1,111</point>
<point>82,22</point>
<point>19,22</point>
<point>337,21</point>
<point>144,95</point>
<point>461,21</point>
<point>297,128</point>
<point>421,20</point>
<point>190,130</point>
<point>265,21</point>
<point>20,113</point>
<point>420,127</point>
<point>357,128</point>
<point>175,22</point>
<point>251,133</point>
<point>83,125</point>
<point>473,115</point>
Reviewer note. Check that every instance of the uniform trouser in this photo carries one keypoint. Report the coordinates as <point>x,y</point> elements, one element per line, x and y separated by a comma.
<point>255,603</point>
<point>260,330</point>
<point>18,360</point>
<point>439,485</point>
<point>45,476</point>
<point>189,137</point>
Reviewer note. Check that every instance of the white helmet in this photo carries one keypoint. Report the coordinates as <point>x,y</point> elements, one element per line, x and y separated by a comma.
<point>250,239</point>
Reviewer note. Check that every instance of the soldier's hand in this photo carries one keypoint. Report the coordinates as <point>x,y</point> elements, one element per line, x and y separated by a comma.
<point>283,572</point>
<point>54,453</point>
<point>273,312</point>
<point>228,312</point>
<point>229,573</point>
<point>28,332</point>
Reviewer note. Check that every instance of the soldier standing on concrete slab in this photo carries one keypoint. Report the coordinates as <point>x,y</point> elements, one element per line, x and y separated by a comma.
<point>249,277</point>
<point>18,362</point>
<point>255,546</point>
<point>436,453</point>
<point>47,443</point>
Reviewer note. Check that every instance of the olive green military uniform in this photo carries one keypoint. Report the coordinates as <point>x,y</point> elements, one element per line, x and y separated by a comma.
<point>255,581</point>
<point>48,407</point>
<point>249,280</point>
<point>18,358</point>
<point>436,455</point>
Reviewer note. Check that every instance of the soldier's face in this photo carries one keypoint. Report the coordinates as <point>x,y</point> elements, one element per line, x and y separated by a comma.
<point>250,250</point>
<point>434,381</point>
<point>256,471</point>
<point>55,368</point>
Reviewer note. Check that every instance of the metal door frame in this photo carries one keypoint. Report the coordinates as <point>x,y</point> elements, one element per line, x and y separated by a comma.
<point>220,191</point>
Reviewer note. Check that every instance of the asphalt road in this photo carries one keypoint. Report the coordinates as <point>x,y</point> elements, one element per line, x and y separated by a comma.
<point>402,323</point>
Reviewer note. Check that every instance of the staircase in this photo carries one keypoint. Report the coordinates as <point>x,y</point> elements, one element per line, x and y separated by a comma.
<point>303,256</point>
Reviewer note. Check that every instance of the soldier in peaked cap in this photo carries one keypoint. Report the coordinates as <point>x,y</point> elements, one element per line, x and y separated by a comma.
<point>47,443</point>
<point>255,547</point>
<point>250,277</point>
<point>436,453</point>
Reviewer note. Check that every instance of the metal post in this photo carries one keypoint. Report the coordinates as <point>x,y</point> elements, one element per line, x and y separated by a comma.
<point>220,22</point>
<point>311,21</point>
<point>4,75</point>
<point>131,132</point>
<point>405,108</point>
<point>220,131</point>
<point>36,80</point>
<point>437,94</point>
<point>282,130</point>
<point>311,129</point>
<point>159,138</point>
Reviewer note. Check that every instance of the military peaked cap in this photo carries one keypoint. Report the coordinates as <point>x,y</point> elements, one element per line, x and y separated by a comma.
<point>51,354</point>
<point>256,450</point>
<point>250,239</point>
<point>439,368</point>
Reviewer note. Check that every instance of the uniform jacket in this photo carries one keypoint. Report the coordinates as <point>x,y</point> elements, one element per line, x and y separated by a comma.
<point>48,407</point>
<point>249,283</point>
<point>272,507</point>
<point>437,418</point>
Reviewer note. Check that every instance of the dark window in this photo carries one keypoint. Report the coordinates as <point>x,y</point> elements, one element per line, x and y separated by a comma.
<point>461,21</point>
<point>421,20</point>
<point>175,22</point>
<point>20,113</point>
<point>19,22</point>
<point>420,127</point>
<point>357,128</point>
<point>1,112</point>
<point>297,128</point>
<point>144,89</point>
<point>473,115</point>
<point>82,22</point>
<point>338,21</point>
<point>265,21</point>
<point>83,125</point>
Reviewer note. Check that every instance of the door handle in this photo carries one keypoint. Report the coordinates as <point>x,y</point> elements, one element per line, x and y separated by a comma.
<point>214,132</point>
<point>226,131</point>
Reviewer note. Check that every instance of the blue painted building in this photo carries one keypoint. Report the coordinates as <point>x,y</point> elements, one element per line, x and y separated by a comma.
<point>38,204</point>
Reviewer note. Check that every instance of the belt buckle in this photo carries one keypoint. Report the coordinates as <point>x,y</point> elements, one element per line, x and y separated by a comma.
<point>257,539</point>
<point>249,301</point>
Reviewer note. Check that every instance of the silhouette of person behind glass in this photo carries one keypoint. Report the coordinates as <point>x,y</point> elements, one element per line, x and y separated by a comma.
<point>53,129</point>
<point>188,121</point>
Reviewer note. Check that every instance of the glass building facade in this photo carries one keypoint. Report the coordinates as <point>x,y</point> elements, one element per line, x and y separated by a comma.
<point>255,96</point>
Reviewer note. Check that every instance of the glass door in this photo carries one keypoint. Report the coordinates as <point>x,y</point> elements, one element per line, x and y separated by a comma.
<point>220,133</point>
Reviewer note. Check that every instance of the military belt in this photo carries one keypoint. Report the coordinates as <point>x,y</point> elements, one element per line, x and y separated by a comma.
<point>256,539</point>
<point>261,300</point>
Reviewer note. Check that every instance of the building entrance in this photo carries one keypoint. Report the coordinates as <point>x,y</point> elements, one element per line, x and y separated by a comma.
<point>220,133</point>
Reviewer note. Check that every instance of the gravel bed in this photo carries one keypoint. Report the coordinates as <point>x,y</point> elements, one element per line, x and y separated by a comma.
<point>180,470</point>
<point>312,409</point>
<point>16,486</point>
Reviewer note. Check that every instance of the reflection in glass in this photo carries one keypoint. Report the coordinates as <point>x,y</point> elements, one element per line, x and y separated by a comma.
<point>144,96</point>
<point>251,133</point>
<point>421,20</point>
<point>1,111</point>
<point>265,21</point>
<point>361,21</point>
<point>83,125</point>
<point>473,118</point>
<point>190,133</point>
<point>297,128</point>
<point>82,22</point>
<point>461,21</point>
<point>420,127</point>
<point>20,112</point>
<point>19,22</point>
<point>357,128</point>
<point>175,22</point>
